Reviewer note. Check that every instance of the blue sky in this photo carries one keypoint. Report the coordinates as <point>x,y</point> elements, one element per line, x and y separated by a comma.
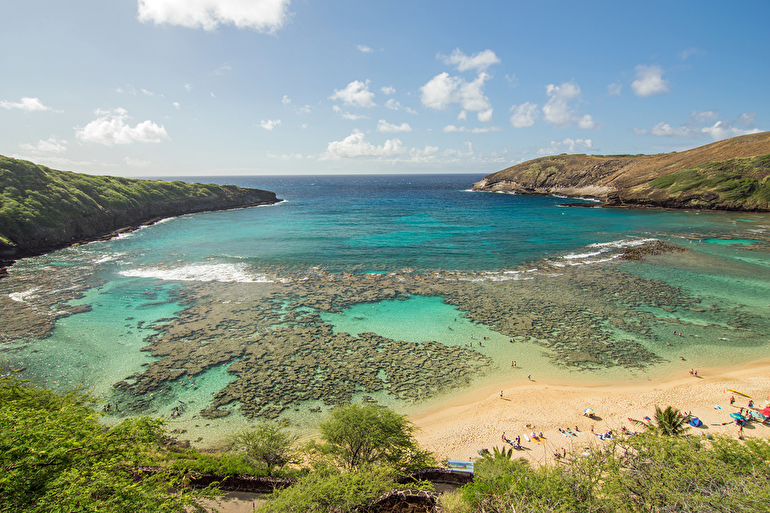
<point>226,87</point>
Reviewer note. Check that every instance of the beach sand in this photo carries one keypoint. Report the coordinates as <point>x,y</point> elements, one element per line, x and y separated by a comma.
<point>460,427</point>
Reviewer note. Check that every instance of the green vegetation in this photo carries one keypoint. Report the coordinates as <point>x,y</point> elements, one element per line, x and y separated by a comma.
<point>668,422</point>
<point>735,181</point>
<point>34,197</point>
<point>55,456</point>
<point>266,446</point>
<point>360,436</point>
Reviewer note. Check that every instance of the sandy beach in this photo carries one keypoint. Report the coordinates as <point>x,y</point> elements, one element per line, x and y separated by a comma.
<point>458,428</point>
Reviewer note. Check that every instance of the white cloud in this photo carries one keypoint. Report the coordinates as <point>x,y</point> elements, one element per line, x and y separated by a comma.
<point>392,104</point>
<point>418,154</point>
<point>524,115</point>
<point>285,100</point>
<point>305,109</point>
<point>694,128</point>
<point>260,15</point>
<point>52,145</point>
<point>410,110</point>
<point>512,80</point>
<point>684,54</point>
<point>270,123</point>
<point>485,116</point>
<point>587,122</point>
<point>462,116</point>
<point>110,128</point>
<point>443,90</point>
<point>147,93</point>
<point>614,89</point>
<point>557,110</point>
<point>356,93</point>
<point>188,87</point>
<point>385,127</point>
<point>649,81</point>
<point>566,145</point>
<point>176,104</point>
<point>26,103</point>
<point>477,130</point>
<point>478,61</point>
<point>388,90</point>
<point>137,162</point>
<point>449,152</point>
<point>365,49</point>
<point>221,70</point>
<point>355,145</point>
<point>347,115</point>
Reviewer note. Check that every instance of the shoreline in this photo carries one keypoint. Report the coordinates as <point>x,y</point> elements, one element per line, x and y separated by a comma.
<point>459,427</point>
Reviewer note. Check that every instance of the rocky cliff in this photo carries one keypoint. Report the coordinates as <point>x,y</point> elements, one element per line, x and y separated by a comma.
<point>729,175</point>
<point>43,209</point>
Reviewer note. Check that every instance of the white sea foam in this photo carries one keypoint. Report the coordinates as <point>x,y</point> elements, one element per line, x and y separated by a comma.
<point>573,256</point>
<point>109,257</point>
<point>200,272</point>
<point>624,243</point>
<point>22,296</point>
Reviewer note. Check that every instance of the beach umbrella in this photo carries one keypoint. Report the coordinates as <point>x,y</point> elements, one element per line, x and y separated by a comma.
<point>739,393</point>
<point>588,411</point>
<point>737,416</point>
<point>765,412</point>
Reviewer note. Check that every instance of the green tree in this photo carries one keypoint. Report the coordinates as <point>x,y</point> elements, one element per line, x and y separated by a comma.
<point>55,456</point>
<point>268,446</point>
<point>363,435</point>
<point>668,422</point>
<point>329,489</point>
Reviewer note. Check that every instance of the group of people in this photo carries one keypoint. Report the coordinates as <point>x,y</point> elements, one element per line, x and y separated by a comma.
<point>515,443</point>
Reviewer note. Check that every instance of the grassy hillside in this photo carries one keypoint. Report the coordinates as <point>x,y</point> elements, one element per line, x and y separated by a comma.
<point>735,181</point>
<point>42,207</point>
<point>731,174</point>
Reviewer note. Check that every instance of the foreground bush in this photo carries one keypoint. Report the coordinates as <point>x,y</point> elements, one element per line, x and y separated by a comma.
<point>56,457</point>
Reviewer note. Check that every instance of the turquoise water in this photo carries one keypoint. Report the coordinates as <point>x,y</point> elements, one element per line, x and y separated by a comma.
<point>424,225</point>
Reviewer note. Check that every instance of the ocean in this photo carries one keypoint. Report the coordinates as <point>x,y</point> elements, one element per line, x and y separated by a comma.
<point>401,289</point>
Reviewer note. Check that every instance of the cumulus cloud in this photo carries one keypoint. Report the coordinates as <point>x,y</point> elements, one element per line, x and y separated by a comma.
<point>111,128</point>
<point>385,127</point>
<point>443,90</point>
<point>285,100</point>
<point>52,145</point>
<point>694,128</point>
<point>388,90</point>
<point>270,123</point>
<point>188,87</point>
<point>365,49</point>
<point>614,89</point>
<point>418,154</point>
<point>392,104</point>
<point>356,93</point>
<point>558,110</point>
<point>566,145</point>
<point>524,115</point>
<point>587,122</point>
<point>26,103</point>
<point>260,15</point>
<point>485,116</point>
<point>355,145</point>
<point>649,81</point>
<point>478,61</point>
<point>176,104</point>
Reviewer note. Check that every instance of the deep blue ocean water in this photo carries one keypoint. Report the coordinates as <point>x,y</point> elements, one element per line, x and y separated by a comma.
<point>364,224</point>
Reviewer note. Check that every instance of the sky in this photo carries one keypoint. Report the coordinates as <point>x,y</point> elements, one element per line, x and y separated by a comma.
<point>288,87</point>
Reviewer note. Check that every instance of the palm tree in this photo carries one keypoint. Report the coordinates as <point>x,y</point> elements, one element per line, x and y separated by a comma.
<point>668,422</point>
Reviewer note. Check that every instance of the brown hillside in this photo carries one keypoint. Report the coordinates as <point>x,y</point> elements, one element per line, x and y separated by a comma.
<point>716,170</point>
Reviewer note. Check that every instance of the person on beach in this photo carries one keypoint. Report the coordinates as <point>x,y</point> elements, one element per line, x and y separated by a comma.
<point>501,394</point>
<point>732,399</point>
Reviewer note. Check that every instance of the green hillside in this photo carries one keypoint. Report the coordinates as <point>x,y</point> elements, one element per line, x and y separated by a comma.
<point>42,208</point>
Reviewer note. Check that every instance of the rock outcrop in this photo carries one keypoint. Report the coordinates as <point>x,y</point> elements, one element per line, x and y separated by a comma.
<point>729,175</point>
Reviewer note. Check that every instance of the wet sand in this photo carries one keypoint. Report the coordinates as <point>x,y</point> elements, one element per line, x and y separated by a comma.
<point>460,427</point>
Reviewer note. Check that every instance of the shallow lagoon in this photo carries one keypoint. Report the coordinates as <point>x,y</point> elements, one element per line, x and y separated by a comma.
<point>522,257</point>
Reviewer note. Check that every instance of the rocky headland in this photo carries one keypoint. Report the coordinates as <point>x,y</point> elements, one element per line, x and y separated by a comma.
<point>727,175</point>
<point>42,209</point>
